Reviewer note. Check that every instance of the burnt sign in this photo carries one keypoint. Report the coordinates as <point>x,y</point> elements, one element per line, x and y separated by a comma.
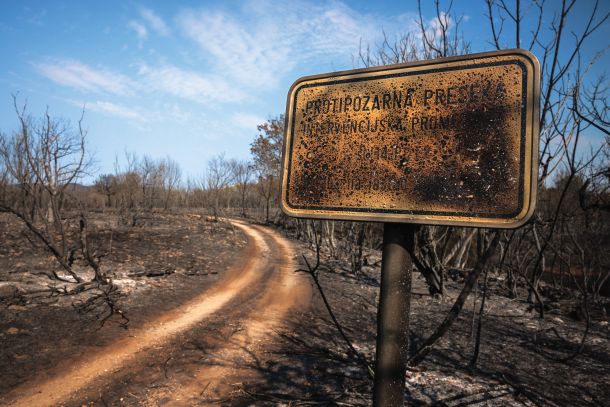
<point>452,141</point>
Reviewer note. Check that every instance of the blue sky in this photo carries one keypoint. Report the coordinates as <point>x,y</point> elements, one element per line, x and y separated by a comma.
<point>188,79</point>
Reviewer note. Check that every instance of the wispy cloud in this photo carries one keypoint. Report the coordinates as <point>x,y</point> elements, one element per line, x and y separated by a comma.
<point>148,20</point>
<point>74,74</point>
<point>260,50</point>
<point>154,21</point>
<point>244,53</point>
<point>139,29</point>
<point>247,120</point>
<point>166,79</point>
<point>248,50</point>
<point>189,85</point>
<point>116,110</point>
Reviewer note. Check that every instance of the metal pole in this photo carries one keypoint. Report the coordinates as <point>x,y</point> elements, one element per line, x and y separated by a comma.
<point>393,315</point>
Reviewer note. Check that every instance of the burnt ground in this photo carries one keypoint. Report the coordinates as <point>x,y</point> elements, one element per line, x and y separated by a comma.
<point>520,360</point>
<point>306,363</point>
<point>39,332</point>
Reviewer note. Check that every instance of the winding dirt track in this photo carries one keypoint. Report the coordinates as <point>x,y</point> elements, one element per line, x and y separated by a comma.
<point>263,282</point>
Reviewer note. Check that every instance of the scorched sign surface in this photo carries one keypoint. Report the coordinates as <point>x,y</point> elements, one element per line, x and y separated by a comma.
<point>452,141</point>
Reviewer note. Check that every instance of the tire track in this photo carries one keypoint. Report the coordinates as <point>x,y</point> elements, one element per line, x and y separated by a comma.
<point>284,291</point>
<point>231,365</point>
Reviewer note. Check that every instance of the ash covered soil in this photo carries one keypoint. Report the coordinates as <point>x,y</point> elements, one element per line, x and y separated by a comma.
<point>42,332</point>
<point>519,361</point>
<point>300,361</point>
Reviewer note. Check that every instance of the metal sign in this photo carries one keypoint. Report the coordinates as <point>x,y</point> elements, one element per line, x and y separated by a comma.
<point>452,141</point>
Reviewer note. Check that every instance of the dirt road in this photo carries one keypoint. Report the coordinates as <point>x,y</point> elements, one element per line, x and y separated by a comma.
<point>235,319</point>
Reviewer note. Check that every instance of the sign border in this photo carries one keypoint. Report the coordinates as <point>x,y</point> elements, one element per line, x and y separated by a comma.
<point>528,163</point>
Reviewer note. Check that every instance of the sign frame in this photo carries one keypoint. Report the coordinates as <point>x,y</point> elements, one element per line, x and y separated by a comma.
<point>529,130</point>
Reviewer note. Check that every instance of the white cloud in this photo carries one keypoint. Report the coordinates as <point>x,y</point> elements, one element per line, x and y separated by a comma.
<point>437,25</point>
<point>79,76</point>
<point>150,20</point>
<point>154,21</point>
<point>260,50</point>
<point>139,28</point>
<point>249,49</point>
<point>247,120</point>
<point>189,85</point>
<point>167,79</point>
<point>434,29</point>
<point>244,53</point>
<point>116,110</point>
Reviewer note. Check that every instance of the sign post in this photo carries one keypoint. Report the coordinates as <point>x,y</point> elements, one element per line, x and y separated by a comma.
<point>452,141</point>
<point>393,315</point>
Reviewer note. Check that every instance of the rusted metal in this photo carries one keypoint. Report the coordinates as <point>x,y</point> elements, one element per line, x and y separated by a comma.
<point>451,141</point>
